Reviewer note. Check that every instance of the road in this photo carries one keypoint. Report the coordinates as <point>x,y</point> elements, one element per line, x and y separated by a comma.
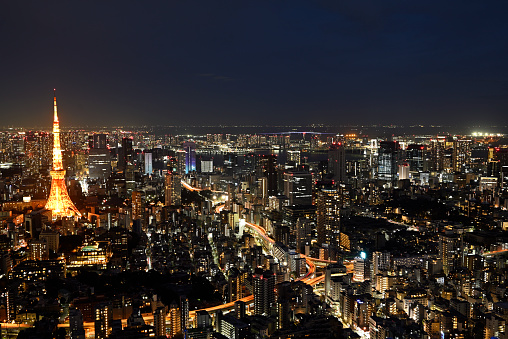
<point>308,278</point>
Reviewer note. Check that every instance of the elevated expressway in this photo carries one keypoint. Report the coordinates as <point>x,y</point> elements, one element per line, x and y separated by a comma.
<point>259,232</point>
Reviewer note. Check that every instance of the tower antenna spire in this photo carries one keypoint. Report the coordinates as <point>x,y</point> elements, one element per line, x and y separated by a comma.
<point>59,201</point>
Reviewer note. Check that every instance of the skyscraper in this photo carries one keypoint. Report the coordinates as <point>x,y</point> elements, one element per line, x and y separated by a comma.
<point>298,188</point>
<point>173,184</point>
<point>103,317</point>
<point>450,250</point>
<point>125,153</point>
<point>264,292</point>
<point>190,156</point>
<point>99,158</point>
<point>59,201</point>
<point>337,162</point>
<point>137,205</point>
<point>268,168</point>
<point>381,262</point>
<point>99,140</point>
<point>159,321</point>
<point>389,155</point>
<point>415,156</point>
<point>461,154</point>
<point>328,216</point>
<point>148,163</point>
<point>175,324</point>
<point>184,312</point>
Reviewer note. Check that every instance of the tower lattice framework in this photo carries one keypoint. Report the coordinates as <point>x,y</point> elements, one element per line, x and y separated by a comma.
<point>59,201</point>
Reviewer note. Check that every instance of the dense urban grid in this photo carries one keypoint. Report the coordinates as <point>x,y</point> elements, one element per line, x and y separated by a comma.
<point>116,233</point>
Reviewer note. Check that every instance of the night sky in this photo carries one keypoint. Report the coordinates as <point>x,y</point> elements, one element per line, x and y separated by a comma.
<point>254,62</point>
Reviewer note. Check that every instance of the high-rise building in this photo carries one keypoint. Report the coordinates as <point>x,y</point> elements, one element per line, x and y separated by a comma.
<point>267,166</point>
<point>148,163</point>
<point>180,159</point>
<point>403,172</point>
<point>328,216</point>
<point>461,154</point>
<point>298,188</point>
<point>234,328</point>
<point>450,251</point>
<point>294,157</point>
<point>206,166</point>
<point>103,316</point>
<point>190,156</point>
<point>388,157</point>
<point>240,309</point>
<point>264,292</point>
<point>159,321</point>
<point>125,154</point>
<point>331,271</point>
<point>203,319</point>
<point>137,205</point>
<point>51,238</point>
<point>130,178</point>
<point>173,184</point>
<point>415,156</point>
<point>381,261</point>
<point>99,163</point>
<point>235,280</point>
<point>175,324</point>
<point>38,250</point>
<point>37,149</point>
<point>99,158</point>
<point>337,161</point>
<point>361,269</point>
<point>76,324</point>
<point>303,231</point>
<point>59,202</point>
<point>184,312</point>
<point>437,152</point>
<point>99,140</point>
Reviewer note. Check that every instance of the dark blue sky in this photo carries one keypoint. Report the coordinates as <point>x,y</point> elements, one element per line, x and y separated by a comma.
<point>254,62</point>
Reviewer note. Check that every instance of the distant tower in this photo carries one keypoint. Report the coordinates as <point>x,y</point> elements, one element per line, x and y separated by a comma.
<point>59,201</point>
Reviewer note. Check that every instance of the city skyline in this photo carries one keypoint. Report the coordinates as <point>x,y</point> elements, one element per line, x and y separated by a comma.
<point>319,62</point>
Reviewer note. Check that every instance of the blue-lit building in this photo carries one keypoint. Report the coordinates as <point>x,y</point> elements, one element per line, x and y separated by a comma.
<point>190,156</point>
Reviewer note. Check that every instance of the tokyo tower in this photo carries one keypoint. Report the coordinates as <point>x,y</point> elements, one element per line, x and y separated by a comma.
<point>59,201</point>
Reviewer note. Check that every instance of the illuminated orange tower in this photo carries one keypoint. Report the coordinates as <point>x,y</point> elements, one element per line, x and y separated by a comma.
<point>59,201</point>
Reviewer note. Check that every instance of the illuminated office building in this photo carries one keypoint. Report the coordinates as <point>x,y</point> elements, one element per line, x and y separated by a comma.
<point>99,158</point>
<point>388,157</point>
<point>173,184</point>
<point>298,188</point>
<point>328,216</point>
<point>264,292</point>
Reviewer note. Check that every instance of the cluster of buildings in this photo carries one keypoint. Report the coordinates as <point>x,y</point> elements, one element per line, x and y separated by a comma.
<point>132,234</point>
